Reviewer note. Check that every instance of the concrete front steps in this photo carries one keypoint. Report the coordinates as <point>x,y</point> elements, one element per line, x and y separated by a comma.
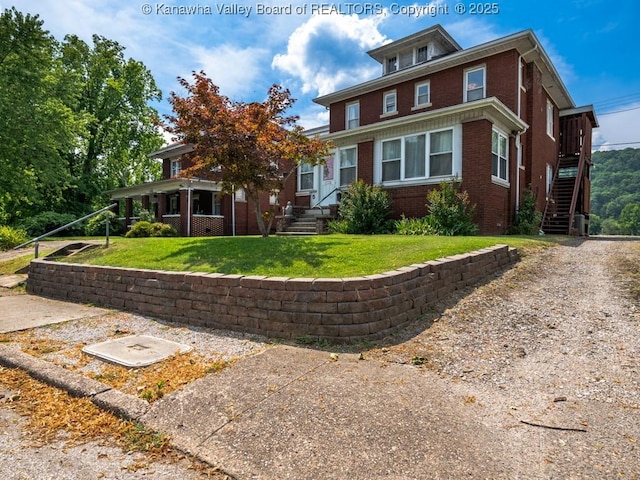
<point>312,222</point>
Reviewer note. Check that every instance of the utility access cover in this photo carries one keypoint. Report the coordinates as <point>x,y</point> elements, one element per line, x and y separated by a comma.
<point>136,350</point>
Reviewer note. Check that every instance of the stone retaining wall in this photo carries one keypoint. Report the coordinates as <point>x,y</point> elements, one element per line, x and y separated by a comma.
<point>339,310</point>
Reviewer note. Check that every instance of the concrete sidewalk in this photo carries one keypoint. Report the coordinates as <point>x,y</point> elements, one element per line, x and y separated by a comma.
<point>292,413</point>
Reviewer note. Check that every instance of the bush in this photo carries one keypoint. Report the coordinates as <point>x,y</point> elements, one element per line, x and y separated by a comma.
<point>47,221</point>
<point>148,229</point>
<point>450,212</point>
<point>528,219</point>
<point>96,226</point>
<point>364,209</point>
<point>414,226</point>
<point>11,237</point>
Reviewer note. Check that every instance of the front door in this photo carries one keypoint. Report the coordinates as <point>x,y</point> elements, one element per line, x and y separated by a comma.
<point>328,183</point>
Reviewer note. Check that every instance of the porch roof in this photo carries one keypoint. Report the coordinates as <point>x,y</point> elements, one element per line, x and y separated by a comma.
<point>164,186</point>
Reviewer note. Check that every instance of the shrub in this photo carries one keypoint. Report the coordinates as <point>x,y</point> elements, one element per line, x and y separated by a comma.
<point>414,226</point>
<point>364,209</point>
<point>528,219</point>
<point>47,221</point>
<point>11,237</point>
<point>450,212</point>
<point>148,229</point>
<point>97,225</point>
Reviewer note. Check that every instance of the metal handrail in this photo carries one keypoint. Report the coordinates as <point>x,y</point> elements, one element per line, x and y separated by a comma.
<point>59,229</point>
<point>325,197</point>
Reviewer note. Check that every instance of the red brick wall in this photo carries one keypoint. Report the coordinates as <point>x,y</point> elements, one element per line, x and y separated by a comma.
<point>539,148</point>
<point>365,161</point>
<point>446,90</point>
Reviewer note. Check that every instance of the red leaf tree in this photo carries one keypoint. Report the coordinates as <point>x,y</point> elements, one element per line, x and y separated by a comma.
<point>255,146</point>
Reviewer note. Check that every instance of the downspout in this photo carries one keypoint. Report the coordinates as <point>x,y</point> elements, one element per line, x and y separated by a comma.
<point>518,142</point>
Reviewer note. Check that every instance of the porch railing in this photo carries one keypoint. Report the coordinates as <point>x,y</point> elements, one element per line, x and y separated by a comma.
<point>317,204</point>
<point>36,240</point>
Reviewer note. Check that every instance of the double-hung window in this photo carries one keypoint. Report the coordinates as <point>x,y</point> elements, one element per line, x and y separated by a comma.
<point>391,159</point>
<point>419,156</point>
<point>474,84</point>
<point>176,167</point>
<point>348,165</point>
<point>392,64</point>
<point>441,153</point>
<point>305,176</point>
<point>423,95</point>
<point>390,103</point>
<point>550,118</point>
<point>499,156</point>
<point>353,115</point>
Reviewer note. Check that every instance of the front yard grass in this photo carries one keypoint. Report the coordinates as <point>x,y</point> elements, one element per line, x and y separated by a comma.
<point>336,256</point>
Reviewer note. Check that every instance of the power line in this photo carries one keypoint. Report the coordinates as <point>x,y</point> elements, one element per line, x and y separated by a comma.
<point>619,111</point>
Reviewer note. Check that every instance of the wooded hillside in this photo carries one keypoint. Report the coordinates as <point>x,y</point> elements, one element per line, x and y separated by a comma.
<point>615,191</point>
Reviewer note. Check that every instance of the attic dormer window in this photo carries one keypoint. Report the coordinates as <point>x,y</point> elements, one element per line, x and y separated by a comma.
<point>392,64</point>
<point>421,54</point>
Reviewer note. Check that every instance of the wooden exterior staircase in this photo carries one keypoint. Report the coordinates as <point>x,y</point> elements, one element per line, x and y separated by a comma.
<point>568,202</point>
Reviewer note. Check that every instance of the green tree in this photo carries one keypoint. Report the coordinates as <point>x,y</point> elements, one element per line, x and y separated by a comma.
<point>255,145</point>
<point>37,127</point>
<point>630,219</point>
<point>120,126</point>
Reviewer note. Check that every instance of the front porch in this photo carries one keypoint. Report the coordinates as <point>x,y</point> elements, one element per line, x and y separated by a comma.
<point>194,207</point>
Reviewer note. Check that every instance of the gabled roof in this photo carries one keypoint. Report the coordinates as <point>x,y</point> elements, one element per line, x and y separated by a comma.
<point>525,43</point>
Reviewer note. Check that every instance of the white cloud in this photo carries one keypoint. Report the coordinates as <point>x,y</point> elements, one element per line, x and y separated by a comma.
<point>326,52</point>
<point>617,130</point>
<point>235,70</point>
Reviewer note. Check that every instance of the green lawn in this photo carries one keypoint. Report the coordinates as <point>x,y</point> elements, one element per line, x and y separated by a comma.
<point>317,256</point>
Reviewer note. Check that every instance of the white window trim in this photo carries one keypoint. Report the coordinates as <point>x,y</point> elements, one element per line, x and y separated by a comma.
<point>550,118</point>
<point>311,172</point>
<point>395,59</point>
<point>466,81</point>
<point>456,159</point>
<point>339,164</point>
<point>417,105</point>
<point>347,119</point>
<point>393,112</point>
<point>176,167</point>
<point>494,179</point>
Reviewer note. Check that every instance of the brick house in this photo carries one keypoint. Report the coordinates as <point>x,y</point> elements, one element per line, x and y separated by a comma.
<point>194,206</point>
<point>496,116</point>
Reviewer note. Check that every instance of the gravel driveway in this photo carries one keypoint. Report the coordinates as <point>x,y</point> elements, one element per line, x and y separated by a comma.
<point>554,342</point>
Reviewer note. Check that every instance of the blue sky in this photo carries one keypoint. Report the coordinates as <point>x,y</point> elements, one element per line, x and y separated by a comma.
<point>316,47</point>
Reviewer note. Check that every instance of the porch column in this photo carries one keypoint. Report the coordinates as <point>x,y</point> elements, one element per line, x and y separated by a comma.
<point>185,211</point>
<point>128,212</point>
<point>162,205</point>
<point>145,202</point>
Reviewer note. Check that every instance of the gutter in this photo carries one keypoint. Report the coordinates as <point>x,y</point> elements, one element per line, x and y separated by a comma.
<point>518,142</point>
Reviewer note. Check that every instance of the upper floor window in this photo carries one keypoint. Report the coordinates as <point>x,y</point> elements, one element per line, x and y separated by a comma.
<point>392,64</point>
<point>423,94</point>
<point>499,156</point>
<point>390,102</point>
<point>176,167</point>
<point>241,195</point>
<point>348,165</point>
<point>353,115</point>
<point>418,156</point>
<point>421,54</point>
<point>305,177</point>
<point>550,118</point>
<point>474,84</point>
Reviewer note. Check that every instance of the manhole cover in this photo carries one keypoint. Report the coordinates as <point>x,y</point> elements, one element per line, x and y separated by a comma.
<point>136,350</point>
